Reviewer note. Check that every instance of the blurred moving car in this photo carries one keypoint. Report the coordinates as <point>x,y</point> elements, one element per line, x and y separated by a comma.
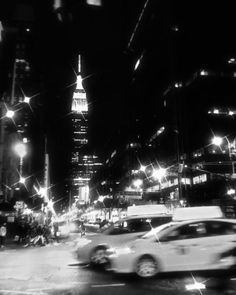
<point>176,246</point>
<point>92,249</point>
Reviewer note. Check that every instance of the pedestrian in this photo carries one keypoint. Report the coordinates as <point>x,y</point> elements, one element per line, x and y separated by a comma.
<point>82,229</point>
<point>56,231</point>
<point>39,238</point>
<point>22,233</point>
<point>3,234</point>
<point>46,233</point>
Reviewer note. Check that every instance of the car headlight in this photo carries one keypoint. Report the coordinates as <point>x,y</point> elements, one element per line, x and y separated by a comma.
<point>228,261</point>
<point>110,251</point>
<point>119,251</point>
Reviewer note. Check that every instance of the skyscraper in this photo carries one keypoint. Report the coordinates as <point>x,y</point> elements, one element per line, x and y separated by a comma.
<point>16,99</point>
<point>82,161</point>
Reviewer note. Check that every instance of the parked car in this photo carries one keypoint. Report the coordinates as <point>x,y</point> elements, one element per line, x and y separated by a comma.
<point>92,249</point>
<point>176,246</point>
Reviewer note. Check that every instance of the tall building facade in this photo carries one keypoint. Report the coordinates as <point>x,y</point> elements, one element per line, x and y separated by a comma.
<point>16,128</point>
<point>83,163</point>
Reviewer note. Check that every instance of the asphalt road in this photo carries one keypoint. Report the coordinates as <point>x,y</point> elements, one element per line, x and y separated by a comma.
<point>53,270</point>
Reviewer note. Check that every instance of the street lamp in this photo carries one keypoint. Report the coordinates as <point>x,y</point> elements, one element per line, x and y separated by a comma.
<point>159,173</point>
<point>138,183</point>
<point>10,114</point>
<point>20,149</point>
<point>142,168</point>
<point>231,192</point>
<point>22,180</point>
<point>27,99</point>
<point>217,140</point>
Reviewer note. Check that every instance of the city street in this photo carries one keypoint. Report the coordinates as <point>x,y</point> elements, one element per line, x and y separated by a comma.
<point>118,127</point>
<point>53,270</point>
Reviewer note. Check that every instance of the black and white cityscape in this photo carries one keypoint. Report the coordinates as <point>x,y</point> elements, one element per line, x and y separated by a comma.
<point>117,147</point>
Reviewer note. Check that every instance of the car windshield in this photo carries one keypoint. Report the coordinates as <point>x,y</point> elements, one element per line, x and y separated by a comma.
<point>156,230</point>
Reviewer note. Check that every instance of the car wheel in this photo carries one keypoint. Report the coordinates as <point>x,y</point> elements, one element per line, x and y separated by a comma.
<point>98,256</point>
<point>147,267</point>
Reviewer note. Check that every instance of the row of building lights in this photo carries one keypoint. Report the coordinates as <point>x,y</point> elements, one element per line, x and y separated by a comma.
<point>160,173</point>
<point>20,149</point>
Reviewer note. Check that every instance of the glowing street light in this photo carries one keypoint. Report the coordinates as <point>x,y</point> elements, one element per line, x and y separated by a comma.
<point>142,168</point>
<point>10,114</point>
<point>94,2</point>
<point>42,191</point>
<point>137,64</point>
<point>20,150</point>
<point>217,140</point>
<point>231,192</point>
<point>232,60</point>
<point>27,99</point>
<point>22,180</point>
<point>138,183</point>
<point>159,173</point>
<point>204,73</point>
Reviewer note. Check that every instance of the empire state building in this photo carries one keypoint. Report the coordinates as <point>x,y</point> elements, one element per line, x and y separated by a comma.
<point>80,174</point>
<point>83,163</point>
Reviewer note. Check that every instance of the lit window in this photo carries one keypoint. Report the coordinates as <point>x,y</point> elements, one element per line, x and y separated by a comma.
<point>204,73</point>
<point>200,179</point>
<point>232,61</point>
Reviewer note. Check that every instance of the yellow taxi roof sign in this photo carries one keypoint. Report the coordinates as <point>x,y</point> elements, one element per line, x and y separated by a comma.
<point>201,212</point>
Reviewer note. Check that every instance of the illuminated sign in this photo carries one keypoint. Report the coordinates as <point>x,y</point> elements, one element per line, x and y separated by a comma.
<point>200,179</point>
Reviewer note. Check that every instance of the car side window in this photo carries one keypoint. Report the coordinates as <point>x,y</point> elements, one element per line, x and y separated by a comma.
<point>135,225</point>
<point>216,228</point>
<point>193,230</point>
<point>188,231</point>
<point>138,225</point>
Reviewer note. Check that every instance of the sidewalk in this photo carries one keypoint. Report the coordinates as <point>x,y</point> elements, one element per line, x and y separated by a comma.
<point>10,243</point>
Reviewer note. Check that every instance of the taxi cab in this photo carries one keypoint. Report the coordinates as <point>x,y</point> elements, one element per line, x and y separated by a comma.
<point>187,245</point>
<point>93,247</point>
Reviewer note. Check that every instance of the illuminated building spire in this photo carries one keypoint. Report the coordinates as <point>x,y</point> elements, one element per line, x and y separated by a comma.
<point>79,103</point>
<point>79,64</point>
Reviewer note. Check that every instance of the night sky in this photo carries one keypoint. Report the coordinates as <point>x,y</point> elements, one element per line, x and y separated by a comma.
<point>174,38</point>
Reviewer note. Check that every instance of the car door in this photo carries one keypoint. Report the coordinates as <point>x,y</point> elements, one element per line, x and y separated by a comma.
<point>182,248</point>
<point>221,236</point>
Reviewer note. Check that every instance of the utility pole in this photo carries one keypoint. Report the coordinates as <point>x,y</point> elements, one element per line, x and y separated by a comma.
<point>70,200</point>
<point>1,149</point>
<point>2,130</point>
<point>13,83</point>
